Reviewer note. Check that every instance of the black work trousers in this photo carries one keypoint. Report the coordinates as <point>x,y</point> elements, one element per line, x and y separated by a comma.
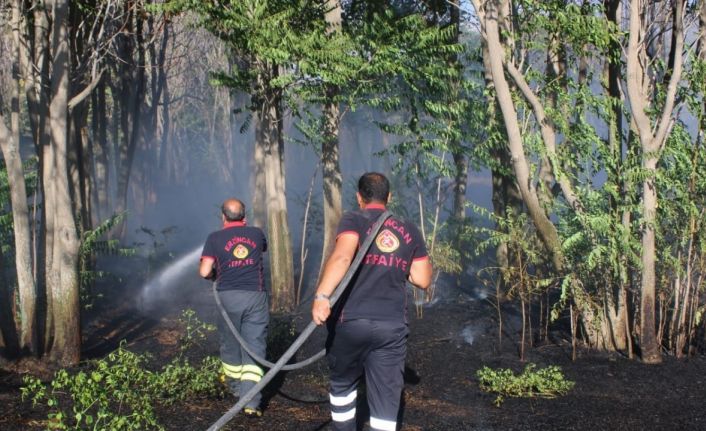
<point>377,350</point>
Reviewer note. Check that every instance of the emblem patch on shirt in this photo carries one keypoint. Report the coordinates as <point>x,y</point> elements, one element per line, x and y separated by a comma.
<point>387,241</point>
<point>240,251</point>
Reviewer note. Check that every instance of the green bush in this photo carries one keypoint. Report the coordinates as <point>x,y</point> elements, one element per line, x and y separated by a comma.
<point>180,380</point>
<point>543,383</point>
<point>114,393</point>
<point>119,392</point>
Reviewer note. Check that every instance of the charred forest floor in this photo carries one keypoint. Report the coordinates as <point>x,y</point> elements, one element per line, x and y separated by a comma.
<point>455,337</point>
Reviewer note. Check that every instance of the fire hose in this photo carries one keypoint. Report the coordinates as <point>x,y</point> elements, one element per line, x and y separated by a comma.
<point>296,345</point>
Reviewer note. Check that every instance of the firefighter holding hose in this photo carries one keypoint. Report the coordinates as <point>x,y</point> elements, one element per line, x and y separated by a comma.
<point>368,326</point>
<point>232,257</point>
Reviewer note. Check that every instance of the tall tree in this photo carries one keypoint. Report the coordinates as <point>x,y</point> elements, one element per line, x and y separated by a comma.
<point>62,283</point>
<point>490,16</point>
<point>10,145</point>
<point>265,38</point>
<point>652,134</point>
<point>331,169</point>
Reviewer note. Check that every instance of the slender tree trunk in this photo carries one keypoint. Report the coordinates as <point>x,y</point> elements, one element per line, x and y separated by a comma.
<point>9,342</point>
<point>100,152</point>
<point>652,139</point>
<point>617,311</point>
<point>546,230</point>
<point>258,194</point>
<point>34,62</point>
<point>458,211</point>
<point>458,153</point>
<point>331,169</point>
<point>10,145</point>
<point>132,81</point>
<point>332,179</point>
<point>80,162</point>
<point>648,340</point>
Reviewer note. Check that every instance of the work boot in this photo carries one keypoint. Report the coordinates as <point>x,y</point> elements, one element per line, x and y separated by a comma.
<point>252,412</point>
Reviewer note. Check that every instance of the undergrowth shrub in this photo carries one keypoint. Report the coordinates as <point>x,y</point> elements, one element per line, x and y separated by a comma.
<point>546,382</point>
<point>120,392</point>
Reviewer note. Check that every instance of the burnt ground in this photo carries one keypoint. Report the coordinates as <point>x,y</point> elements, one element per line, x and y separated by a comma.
<point>456,336</point>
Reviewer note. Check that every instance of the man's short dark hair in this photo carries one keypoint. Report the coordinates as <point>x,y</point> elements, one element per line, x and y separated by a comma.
<point>373,186</point>
<point>233,215</point>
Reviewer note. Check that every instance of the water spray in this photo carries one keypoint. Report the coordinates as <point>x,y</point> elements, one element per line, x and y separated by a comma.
<point>280,364</point>
<point>168,276</point>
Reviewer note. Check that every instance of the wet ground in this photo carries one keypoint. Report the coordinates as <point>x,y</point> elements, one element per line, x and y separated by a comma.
<point>454,338</point>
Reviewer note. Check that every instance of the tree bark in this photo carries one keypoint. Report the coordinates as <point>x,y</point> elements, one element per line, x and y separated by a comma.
<point>100,152</point>
<point>258,196</point>
<point>617,310</point>
<point>651,144</point>
<point>546,230</point>
<point>332,178</point>
<point>66,345</point>
<point>458,151</point>
<point>9,342</point>
<point>132,81</point>
<point>279,243</point>
<point>10,145</point>
<point>331,169</point>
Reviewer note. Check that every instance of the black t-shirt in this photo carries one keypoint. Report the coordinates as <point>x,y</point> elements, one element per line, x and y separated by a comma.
<point>237,250</point>
<point>377,290</point>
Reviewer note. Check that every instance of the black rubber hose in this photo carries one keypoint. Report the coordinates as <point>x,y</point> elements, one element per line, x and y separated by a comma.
<point>306,332</point>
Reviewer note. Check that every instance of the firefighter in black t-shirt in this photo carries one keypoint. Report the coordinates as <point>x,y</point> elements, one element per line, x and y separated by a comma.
<point>232,257</point>
<point>368,326</point>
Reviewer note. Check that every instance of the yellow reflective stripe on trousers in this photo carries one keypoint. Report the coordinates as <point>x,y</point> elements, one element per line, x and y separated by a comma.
<point>232,371</point>
<point>254,369</point>
<point>252,373</point>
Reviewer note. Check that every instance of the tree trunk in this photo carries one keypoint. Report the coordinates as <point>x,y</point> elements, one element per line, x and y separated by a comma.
<point>9,342</point>
<point>279,244</point>
<point>10,145</point>
<point>66,345</point>
<point>80,162</point>
<point>617,311</point>
<point>331,169</point>
<point>100,153</point>
<point>332,179</point>
<point>132,81</point>
<point>505,193</point>
<point>458,151</point>
<point>259,209</point>
<point>652,139</point>
<point>648,340</point>
<point>546,230</point>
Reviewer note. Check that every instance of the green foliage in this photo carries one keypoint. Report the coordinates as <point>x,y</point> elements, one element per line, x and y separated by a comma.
<point>446,257</point>
<point>195,331</point>
<point>524,252</point>
<point>180,380</point>
<point>115,393</point>
<point>119,392</point>
<point>546,382</point>
<point>94,244</point>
